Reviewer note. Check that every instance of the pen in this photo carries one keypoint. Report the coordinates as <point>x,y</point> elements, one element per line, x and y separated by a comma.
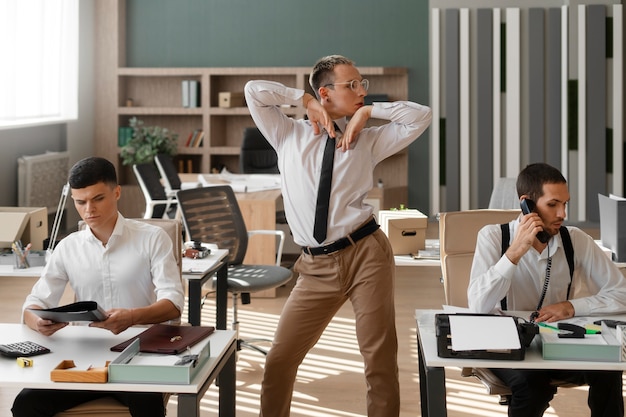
<point>547,326</point>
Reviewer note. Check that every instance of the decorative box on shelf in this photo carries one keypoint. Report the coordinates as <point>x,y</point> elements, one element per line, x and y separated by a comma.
<point>229,99</point>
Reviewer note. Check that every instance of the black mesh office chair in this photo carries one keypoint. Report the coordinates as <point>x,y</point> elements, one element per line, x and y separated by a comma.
<point>212,215</point>
<point>169,173</point>
<point>257,156</point>
<point>158,204</point>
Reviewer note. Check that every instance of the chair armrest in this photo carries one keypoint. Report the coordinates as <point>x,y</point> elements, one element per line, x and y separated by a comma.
<point>281,241</point>
<point>168,203</point>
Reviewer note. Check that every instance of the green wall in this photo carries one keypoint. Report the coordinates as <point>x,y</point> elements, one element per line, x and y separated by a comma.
<point>256,33</point>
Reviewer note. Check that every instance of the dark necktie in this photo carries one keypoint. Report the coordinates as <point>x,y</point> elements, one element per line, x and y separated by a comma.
<point>323,191</point>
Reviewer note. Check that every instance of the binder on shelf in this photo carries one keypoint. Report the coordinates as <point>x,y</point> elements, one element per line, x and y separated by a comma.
<point>124,135</point>
<point>185,93</point>
<point>194,93</point>
<point>613,225</point>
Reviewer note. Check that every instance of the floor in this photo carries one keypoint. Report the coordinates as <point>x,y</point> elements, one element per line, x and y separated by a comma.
<point>330,381</point>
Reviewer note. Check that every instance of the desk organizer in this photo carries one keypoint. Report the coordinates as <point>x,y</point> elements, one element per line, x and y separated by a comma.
<point>35,258</point>
<point>149,368</point>
<point>608,346</point>
<point>65,372</point>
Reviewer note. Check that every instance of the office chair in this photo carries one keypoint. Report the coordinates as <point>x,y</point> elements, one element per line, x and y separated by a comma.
<point>169,173</point>
<point>212,215</point>
<point>458,232</point>
<point>169,176</point>
<point>504,195</point>
<point>158,204</point>
<point>108,406</point>
<point>258,157</point>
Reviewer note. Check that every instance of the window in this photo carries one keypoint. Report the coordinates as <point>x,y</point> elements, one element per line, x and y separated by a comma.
<point>39,71</point>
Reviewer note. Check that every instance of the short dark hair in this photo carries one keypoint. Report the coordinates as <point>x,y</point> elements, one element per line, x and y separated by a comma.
<point>322,73</point>
<point>531,179</point>
<point>90,171</point>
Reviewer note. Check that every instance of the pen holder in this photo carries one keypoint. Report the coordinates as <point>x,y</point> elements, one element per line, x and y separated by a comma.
<point>19,261</point>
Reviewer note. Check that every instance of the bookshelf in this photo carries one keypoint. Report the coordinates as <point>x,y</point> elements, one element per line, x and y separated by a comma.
<point>156,98</point>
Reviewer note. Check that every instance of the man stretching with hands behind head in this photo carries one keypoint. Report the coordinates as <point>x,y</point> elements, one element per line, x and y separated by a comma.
<point>128,267</point>
<point>534,275</point>
<point>345,256</point>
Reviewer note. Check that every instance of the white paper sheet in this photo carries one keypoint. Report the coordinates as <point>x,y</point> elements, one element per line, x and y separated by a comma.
<point>483,333</point>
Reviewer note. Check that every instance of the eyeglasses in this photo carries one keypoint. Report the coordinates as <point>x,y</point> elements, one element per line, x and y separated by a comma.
<point>354,84</point>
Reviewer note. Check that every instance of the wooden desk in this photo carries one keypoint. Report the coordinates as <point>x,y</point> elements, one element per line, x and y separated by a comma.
<point>90,345</point>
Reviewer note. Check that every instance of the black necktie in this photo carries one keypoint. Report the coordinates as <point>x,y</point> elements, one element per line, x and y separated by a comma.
<point>323,191</point>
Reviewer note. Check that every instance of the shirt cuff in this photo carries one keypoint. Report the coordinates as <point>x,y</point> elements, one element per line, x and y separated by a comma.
<point>581,307</point>
<point>505,267</point>
<point>381,109</point>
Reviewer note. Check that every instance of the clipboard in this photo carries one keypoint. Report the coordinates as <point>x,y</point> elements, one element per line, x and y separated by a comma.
<point>525,333</point>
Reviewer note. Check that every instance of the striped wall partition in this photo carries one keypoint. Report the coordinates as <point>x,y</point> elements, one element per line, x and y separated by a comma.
<point>512,85</point>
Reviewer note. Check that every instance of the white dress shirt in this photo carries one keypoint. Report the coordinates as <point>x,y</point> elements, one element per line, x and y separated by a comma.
<point>136,268</point>
<point>300,154</point>
<point>598,286</point>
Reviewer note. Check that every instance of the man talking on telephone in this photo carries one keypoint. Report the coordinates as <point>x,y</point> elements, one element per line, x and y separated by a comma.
<point>536,264</point>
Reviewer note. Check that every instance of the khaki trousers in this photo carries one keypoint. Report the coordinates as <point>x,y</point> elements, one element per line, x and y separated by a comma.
<point>363,273</point>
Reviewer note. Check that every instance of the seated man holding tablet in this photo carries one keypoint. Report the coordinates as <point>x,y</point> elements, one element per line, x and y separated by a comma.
<point>125,266</point>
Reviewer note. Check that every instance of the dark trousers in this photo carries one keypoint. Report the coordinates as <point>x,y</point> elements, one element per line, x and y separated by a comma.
<point>532,390</point>
<point>46,403</point>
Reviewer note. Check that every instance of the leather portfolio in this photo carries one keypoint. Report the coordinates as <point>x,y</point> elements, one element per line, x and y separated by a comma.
<point>525,332</point>
<point>167,339</point>
<point>79,311</point>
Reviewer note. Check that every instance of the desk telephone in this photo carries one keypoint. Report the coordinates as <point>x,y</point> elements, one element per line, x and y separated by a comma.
<point>529,206</point>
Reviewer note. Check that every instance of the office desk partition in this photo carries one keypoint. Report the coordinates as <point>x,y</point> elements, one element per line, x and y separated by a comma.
<point>432,367</point>
<point>91,346</point>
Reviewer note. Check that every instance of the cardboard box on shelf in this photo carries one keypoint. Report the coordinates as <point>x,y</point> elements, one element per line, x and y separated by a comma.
<point>231,99</point>
<point>406,229</point>
<point>28,224</point>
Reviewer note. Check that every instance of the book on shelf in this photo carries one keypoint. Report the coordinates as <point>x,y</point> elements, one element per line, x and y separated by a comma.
<point>194,93</point>
<point>185,165</point>
<point>190,96</point>
<point>124,135</point>
<point>195,138</point>
<point>199,138</point>
<point>188,141</point>
<point>185,93</point>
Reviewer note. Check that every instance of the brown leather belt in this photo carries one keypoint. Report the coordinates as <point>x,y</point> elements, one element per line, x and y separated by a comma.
<point>339,244</point>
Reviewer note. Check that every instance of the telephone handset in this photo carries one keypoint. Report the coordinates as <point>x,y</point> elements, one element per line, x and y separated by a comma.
<point>528,206</point>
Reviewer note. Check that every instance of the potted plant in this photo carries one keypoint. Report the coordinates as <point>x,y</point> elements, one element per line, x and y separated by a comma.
<point>146,142</point>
